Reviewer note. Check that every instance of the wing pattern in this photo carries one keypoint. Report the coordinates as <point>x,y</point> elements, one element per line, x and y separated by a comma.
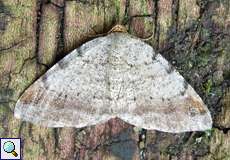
<point>114,76</point>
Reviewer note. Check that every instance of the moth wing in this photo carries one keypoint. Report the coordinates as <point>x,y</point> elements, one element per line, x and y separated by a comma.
<point>72,93</point>
<point>148,92</point>
<point>166,102</point>
<point>116,75</point>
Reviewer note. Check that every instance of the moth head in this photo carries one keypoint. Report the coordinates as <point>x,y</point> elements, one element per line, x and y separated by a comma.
<point>118,28</point>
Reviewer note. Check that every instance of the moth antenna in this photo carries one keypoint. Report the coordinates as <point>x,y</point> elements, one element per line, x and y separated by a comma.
<point>116,28</point>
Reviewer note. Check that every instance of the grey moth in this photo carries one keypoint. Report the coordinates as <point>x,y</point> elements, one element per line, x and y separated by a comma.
<point>114,76</point>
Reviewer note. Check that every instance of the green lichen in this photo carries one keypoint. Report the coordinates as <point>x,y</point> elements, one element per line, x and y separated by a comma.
<point>174,149</point>
<point>203,137</point>
<point>144,7</point>
<point>32,152</point>
<point>4,109</point>
<point>209,133</point>
<point>117,6</point>
<point>207,87</point>
<point>202,60</point>
<point>23,18</point>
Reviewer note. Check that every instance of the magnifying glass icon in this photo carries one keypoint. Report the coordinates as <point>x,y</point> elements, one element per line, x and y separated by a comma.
<point>9,147</point>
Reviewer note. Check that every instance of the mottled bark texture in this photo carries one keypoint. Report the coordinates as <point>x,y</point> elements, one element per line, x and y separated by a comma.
<point>194,35</point>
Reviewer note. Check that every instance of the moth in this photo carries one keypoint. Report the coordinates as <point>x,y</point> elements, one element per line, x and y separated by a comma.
<point>117,75</point>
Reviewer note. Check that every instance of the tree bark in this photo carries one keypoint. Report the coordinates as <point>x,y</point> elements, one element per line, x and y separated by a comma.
<point>194,35</point>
